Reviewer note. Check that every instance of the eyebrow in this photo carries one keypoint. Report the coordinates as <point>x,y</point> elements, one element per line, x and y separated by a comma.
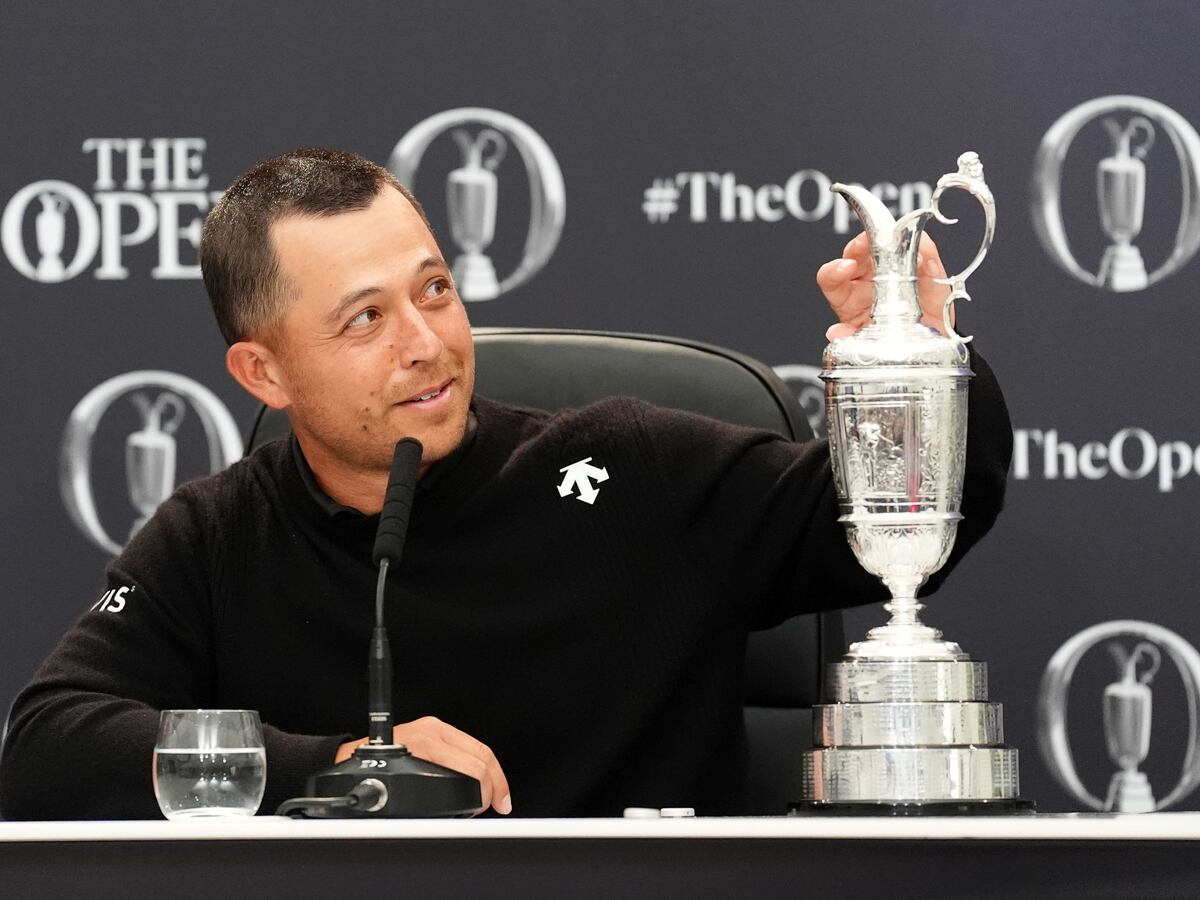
<point>429,262</point>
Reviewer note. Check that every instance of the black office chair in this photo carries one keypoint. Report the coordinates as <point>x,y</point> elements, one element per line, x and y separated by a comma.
<point>553,369</point>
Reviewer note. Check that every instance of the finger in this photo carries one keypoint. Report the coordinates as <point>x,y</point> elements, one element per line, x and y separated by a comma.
<point>840,330</point>
<point>836,273</point>
<point>933,294</point>
<point>836,279</point>
<point>433,740</point>
<point>857,247</point>
<point>501,795</point>
<point>460,760</point>
<point>346,750</point>
<point>852,302</point>
<point>482,752</point>
<point>931,260</point>
<point>928,270</point>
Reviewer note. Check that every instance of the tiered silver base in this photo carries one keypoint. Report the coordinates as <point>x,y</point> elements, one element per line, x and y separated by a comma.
<point>905,732</point>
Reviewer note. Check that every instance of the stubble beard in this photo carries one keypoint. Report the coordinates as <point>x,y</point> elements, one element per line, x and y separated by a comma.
<point>366,443</point>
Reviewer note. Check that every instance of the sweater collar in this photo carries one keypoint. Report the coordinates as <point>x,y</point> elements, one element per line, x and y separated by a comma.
<point>436,473</point>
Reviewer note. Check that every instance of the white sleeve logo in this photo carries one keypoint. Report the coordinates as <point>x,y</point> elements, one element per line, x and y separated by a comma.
<point>113,600</point>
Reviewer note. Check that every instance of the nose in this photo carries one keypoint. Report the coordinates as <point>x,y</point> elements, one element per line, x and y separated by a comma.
<point>416,341</point>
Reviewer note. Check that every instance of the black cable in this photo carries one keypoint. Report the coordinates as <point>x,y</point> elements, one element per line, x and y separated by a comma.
<point>365,794</point>
<point>303,805</point>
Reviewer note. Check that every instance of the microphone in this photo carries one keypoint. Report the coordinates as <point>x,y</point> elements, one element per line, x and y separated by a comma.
<point>383,779</point>
<point>397,502</point>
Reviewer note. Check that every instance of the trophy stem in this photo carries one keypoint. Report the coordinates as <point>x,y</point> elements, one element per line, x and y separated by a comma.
<point>904,606</point>
<point>905,636</point>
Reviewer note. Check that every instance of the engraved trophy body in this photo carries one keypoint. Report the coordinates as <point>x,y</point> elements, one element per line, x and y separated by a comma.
<point>906,726</point>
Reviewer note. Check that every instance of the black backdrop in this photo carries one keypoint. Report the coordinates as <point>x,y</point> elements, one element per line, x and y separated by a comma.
<point>778,97</point>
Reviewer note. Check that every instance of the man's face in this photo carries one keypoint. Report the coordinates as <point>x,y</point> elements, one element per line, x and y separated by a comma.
<point>375,326</point>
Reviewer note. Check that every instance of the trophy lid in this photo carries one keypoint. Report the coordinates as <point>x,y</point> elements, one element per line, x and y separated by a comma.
<point>892,352</point>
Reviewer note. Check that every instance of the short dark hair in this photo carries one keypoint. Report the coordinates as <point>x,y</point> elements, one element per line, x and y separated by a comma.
<point>241,272</point>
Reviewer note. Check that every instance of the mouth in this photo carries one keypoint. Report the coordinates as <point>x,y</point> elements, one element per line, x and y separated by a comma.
<point>429,396</point>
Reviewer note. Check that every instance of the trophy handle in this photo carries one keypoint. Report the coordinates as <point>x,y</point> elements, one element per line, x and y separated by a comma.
<point>1123,138</point>
<point>969,178</point>
<point>153,418</point>
<point>475,150</point>
<point>169,401</point>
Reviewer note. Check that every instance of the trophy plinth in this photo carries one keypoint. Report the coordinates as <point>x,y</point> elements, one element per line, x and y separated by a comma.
<point>906,726</point>
<point>1130,792</point>
<point>909,732</point>
<point>1123,269</point>
<point>475,276</point>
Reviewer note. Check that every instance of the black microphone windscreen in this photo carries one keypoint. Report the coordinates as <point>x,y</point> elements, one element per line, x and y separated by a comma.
<point>397,502</point>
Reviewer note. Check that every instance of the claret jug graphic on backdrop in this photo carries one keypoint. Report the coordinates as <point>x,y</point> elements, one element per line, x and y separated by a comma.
<point>1126,707</point>
<point>162,400</point>
<point>487,139</point>
<point>1131,186</point>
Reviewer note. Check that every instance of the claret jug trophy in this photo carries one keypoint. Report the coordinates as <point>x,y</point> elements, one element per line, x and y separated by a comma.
<point>906,726</point>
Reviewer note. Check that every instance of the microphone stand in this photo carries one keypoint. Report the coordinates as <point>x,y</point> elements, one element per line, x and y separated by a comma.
<point>383,779</point>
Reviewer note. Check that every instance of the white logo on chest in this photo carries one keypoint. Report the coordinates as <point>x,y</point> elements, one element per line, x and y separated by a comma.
<point>583,477</point>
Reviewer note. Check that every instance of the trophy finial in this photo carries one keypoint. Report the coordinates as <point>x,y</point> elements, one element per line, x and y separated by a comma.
<point>969,165</point>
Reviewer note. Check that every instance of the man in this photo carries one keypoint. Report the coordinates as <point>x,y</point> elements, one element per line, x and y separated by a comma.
<point>574,658</point>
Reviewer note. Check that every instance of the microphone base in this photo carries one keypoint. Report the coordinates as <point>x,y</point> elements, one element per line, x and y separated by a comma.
<point>415,789</point>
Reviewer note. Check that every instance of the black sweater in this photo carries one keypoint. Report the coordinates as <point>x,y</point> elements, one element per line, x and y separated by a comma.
<point>596,648</point>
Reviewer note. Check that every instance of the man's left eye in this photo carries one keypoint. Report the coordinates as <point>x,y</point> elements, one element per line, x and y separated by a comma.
<point>366,317</point>
<point>437,288</point>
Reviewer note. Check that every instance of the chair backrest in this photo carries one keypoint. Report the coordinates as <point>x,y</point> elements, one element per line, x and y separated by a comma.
<point>557,369</point>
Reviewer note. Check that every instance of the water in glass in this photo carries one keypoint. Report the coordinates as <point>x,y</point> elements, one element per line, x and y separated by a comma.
<point>224,781</point>
<point>209,762</point>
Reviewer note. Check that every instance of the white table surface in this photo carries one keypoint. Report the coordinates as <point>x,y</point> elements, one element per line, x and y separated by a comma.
<point>1181,826</point>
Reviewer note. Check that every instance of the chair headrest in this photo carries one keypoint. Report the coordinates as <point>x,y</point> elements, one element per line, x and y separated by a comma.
<point>559,369</point>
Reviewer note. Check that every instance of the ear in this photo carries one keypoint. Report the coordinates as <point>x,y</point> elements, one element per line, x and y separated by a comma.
<point>256,368</point>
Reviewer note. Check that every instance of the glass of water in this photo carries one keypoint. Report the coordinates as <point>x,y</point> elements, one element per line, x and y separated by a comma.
<point>209,762</point>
